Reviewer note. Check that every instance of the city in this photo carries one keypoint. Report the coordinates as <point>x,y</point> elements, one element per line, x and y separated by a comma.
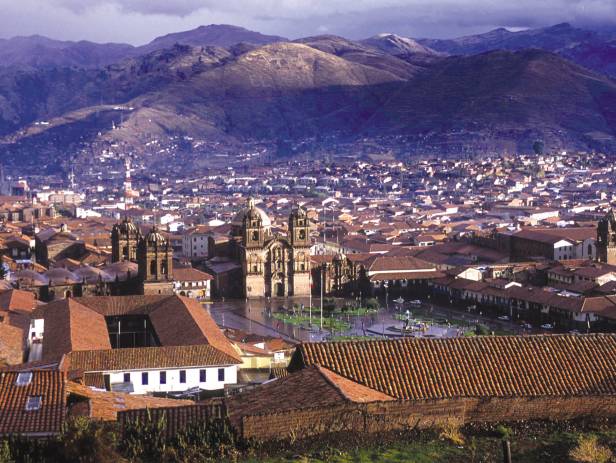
<point>396,295</point>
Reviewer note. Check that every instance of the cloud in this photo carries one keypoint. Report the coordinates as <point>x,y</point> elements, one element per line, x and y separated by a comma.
<point>138,21</point>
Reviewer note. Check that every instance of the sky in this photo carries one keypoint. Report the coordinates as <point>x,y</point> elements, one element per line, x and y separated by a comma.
<point>139,21</point>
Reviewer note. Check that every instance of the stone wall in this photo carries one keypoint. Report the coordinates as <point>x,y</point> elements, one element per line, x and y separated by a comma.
<point>390,416</point>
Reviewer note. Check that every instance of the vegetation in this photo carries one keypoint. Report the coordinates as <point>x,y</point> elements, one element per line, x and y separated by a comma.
<point>589,450</point>
<point>86,441</point>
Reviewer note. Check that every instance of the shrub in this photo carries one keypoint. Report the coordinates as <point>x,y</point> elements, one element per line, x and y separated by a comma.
<point>215,439</point>
<point>372,303</point>
<point>144,440</point>
<point>482,330</point>
<point>450,430</point>
<point>588,450</point>
<point>503,431</point>
<point>86,440</point>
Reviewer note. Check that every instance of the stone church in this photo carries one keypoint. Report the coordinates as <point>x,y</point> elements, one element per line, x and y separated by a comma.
<point>606,239</point>
<point>152,253</point>
<point>268,264</point>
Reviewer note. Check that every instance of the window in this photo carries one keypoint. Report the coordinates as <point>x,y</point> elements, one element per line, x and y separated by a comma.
<point>24,378</point>
<point>144,378</point>
<point>163,377</point>
<point>127,377</point>
<point>33,403</point>
<point>221,374</point>
<point>202,376</point>
<point>183,376</point>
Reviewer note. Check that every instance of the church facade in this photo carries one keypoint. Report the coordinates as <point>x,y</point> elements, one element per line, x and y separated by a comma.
<point>269,264</point>
<point>606,239</point>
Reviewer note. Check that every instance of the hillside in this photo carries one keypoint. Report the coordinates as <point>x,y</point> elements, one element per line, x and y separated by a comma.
<point>591,49</point>
<point>497,101</point>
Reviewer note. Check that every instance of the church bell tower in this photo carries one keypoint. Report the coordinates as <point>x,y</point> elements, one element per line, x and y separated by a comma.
<point>606,239</point>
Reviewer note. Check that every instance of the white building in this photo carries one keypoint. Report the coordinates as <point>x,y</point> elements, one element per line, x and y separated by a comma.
<point>145,370</point>
<point>195,242</point>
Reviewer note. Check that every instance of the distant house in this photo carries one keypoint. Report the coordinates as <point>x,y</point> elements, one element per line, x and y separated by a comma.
<point>191,282</point>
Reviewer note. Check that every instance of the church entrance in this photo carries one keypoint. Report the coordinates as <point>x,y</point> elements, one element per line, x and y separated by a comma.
<point>279,289</point>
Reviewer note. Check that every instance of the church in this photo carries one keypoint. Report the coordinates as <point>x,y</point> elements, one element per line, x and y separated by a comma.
<point>152,253</point>
<point>606,239</point>
<point>260,262</point>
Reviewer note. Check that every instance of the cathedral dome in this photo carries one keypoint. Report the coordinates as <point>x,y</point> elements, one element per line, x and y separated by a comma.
<point>126,227</point>
<point>155,238</point>
<point>251,211</point>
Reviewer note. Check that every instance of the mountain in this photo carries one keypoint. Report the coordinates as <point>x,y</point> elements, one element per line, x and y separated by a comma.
<point>497,101</point>
<point>595,50</point>
<point>41,51</point>
<point>397,45</point>
<point>360,53</point>
<point>219,35</point>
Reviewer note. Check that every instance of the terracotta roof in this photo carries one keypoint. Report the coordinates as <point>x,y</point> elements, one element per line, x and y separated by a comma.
<point>503,366</point>
<point>106,405</point>
<point>48,419</point>
<point>311,387</point>
<point>147,358</point>
<point>190,274</point>
<point>176,321</point>
<point>16,299</point>
<point>70,326</point>
<point>406,276</point>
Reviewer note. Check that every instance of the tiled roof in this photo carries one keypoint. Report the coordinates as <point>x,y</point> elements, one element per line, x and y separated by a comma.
<point>311,387</point>
<point>79,323</point>
<point>106,405</point>
<point>16,299</point>
<point>147,358</point>
<point>70,326</point>
<point>504,366</point>
<point>190,274</point>
<point>14,418</point>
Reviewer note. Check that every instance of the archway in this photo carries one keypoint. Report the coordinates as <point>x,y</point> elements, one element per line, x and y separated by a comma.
<point>279,289</point>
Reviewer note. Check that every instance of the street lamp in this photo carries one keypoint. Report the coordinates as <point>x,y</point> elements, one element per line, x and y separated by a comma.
<point>386,286</point>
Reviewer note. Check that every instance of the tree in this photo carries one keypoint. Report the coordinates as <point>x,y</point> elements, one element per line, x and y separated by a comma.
<point>538,147</point>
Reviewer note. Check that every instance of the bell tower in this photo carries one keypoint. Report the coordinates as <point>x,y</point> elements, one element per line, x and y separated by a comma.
<point>299,227</point>
<point>125,238</point>
<point>253,229</point>
<point>155,260</point>
<point>606,239</point>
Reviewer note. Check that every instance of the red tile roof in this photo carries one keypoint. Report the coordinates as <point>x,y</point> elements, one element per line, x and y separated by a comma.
<point>79,323</point>
<point>147,358</point>
<point>504,366</point>
<point>311,387</point>
<point>48,419</point>
<point>106,405</point>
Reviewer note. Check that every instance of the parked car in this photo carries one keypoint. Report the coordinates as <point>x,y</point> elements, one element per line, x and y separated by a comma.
<point>504,318</point>
<point>526,326</point>
<point>547,326</point>
<point>415,303</point>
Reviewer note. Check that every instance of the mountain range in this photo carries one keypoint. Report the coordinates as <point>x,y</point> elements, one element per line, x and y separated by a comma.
<point>499,91</point>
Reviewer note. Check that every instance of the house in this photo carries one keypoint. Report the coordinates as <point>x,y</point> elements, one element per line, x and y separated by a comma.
<point>138,344</point>
<point>37,403</point>
<point>191,282</point>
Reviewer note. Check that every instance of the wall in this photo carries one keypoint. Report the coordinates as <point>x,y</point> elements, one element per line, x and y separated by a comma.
<point>389,416</point>
<point>173,379</point>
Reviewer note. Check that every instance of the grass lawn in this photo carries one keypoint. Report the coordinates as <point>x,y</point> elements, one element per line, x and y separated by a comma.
<point>303,319</point>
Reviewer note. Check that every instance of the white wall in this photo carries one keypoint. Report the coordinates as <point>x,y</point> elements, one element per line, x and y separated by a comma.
<point>173,379</point>
<point>564,250</point>
<point>195,245</point>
